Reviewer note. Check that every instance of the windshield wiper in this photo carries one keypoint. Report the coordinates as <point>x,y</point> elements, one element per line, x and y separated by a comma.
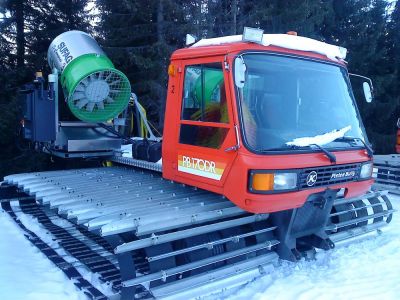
<point>349,139</point>
<point>330,155</point>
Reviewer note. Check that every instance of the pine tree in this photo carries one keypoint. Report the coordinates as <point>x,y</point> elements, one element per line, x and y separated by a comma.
<point>362,27</point>
<point>280,16</point>
<point>27,28</point>
<point>393,86</point>
<point>139,37</point>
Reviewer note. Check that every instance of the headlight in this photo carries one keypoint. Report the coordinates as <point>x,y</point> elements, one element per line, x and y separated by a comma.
<point>267,182</point>
<point>366,170</point>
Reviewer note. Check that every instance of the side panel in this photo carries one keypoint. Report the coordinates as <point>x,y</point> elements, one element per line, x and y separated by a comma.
<point>197,165</point>
<point>171,121</point>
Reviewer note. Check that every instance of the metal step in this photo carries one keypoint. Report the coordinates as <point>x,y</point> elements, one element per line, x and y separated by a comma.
<point>224,278</point>
<point>173,236</point>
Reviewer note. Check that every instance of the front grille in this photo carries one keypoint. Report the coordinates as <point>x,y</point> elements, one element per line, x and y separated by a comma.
<point>343,173</point>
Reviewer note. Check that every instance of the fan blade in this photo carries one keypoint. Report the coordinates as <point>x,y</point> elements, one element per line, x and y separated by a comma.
<point>78,95</point>
<point>114,91</point>
<point>115,82</point>
<point>85,81</point>
<point>90,106</point>
<point>81,103</point>
<point>100,75</point>
<point>109,100</point>
<point>80,88</point>
<point>108,76</point>
<point>100,105</point>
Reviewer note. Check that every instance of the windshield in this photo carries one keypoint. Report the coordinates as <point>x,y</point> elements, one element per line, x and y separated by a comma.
<point>286,102</point>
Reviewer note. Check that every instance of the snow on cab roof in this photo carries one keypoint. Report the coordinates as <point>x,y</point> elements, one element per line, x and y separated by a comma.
<point>285,41</point>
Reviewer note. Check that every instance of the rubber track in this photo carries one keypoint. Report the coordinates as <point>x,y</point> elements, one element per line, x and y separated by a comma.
<point>69,270</point>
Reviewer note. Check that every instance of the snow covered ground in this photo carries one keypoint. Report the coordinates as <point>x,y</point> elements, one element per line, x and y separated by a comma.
<point>364,270</point>
<point>26,273</point>
<point>367,269</point>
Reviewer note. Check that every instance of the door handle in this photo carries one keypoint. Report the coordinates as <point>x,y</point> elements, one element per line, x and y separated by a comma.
<point>233,148</point>
<point>237,146</point>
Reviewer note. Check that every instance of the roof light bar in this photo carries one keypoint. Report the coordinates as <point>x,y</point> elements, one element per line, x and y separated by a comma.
<point>254,35</point>
<point>190,39</point>
<point>343,52</point>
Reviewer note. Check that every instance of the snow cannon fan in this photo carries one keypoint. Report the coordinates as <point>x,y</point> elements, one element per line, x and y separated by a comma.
<point>94,90</point>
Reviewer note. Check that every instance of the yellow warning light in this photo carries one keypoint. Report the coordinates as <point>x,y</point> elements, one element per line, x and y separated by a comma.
<point>171,70</point>
<point>263,182</point>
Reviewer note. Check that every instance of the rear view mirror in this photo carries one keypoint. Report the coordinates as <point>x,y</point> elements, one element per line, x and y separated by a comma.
<point>367,92</point>
<point>367,86</point>
<point>240,72</point>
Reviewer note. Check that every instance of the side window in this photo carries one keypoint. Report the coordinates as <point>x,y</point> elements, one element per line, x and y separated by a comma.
<point>204,97</point>
<point>204,100</point>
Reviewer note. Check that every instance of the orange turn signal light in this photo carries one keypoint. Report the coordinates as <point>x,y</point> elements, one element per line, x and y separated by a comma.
<point>262,182</point>
<point>171,70</point>
<point>292,33</point>
<point>398,139</point>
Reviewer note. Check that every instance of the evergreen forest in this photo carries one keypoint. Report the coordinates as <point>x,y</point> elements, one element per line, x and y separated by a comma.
<point>140,35</point>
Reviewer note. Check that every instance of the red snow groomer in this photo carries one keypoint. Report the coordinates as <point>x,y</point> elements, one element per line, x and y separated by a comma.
<point>263,156</point>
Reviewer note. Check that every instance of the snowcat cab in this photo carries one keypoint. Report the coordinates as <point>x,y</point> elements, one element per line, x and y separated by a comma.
<point>292,136</point>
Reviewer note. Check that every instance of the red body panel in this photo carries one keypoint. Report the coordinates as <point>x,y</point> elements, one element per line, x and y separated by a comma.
<point>234,166</point>
<point>236,187</point>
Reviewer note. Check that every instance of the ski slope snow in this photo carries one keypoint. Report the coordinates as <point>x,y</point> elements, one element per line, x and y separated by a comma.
<point>25,272</point>
<point>366,269</point>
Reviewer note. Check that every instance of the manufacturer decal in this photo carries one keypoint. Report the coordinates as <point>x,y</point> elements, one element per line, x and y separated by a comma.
<point>311,178</point>
<point>63,54</point>
<point>343,174</point>
<point>63,49</point>
<point>201,167</point>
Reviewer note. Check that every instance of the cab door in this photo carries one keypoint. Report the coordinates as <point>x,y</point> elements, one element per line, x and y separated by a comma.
<point>206,138</point>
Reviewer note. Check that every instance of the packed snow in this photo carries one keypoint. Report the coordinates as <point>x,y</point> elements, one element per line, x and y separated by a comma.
<point>321,140</point>
<point>366,269</point>
<point>25,272</point>
<point>285,41</point>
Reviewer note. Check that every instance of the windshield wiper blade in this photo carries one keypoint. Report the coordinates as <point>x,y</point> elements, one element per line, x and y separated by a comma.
<point>330,155</point>
<point>370,152</point>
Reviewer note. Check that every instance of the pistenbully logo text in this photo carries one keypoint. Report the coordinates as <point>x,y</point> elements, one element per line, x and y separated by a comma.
<point>343,174</point>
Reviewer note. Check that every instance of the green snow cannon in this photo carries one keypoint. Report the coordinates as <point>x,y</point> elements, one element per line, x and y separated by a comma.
<point>212,80</point>
<point>94,90</point>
